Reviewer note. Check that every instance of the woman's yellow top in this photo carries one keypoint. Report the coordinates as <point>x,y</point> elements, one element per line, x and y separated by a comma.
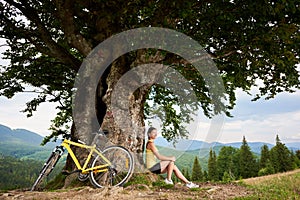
<point>150,157</point>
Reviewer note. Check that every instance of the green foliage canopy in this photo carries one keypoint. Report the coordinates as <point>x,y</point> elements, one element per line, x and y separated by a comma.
<point>249,41</point>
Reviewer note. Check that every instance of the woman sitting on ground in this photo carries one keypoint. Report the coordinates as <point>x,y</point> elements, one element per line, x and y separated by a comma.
<point>166,164</point>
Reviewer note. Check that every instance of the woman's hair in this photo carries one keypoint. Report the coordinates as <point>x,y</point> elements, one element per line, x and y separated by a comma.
<point>150,130</point>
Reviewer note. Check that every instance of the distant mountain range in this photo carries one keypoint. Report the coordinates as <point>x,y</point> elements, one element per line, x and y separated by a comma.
<point>22,136</point>
<point>192,145</point>
<point>23,143</point>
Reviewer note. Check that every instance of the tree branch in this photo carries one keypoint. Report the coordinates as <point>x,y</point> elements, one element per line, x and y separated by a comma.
<point>214,56</point>
<point>65,11</point>
<point>58,51</point>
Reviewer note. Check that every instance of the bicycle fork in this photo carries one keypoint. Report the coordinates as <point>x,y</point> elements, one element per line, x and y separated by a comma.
<point>59,150</point>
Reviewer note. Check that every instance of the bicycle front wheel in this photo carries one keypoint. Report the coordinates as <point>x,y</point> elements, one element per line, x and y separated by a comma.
<point>118,172</point>
<point>46,170</point>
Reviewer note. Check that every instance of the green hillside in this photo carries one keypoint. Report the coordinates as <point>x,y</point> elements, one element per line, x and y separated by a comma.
<point>20,150</point>
<point>22,158</point>
<point>276,186</point>
<point>20,143</point>
<point>19,136</point>
<point>21,173</point>
<point>204,153</point>
<point>184,159</point>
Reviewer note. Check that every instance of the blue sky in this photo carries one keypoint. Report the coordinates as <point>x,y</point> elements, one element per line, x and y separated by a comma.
<point>257,121</point>
<point>262,120</point>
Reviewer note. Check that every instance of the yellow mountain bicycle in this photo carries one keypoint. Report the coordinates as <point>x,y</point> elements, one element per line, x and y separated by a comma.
<point>111,167</point>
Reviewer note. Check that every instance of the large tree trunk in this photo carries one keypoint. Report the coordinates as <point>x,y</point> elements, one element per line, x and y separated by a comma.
<point>122,132</point>
<point>121,112</point>
<point>125,99</point>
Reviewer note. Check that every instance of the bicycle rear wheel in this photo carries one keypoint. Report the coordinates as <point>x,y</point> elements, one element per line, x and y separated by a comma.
<point>118,173</point>
<point>47,169</point>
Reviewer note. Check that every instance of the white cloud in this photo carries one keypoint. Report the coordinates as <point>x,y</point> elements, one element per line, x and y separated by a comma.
<point>257,121</point>
<point>263,128</point>
<point>293,138</point>
<point>11,116</point>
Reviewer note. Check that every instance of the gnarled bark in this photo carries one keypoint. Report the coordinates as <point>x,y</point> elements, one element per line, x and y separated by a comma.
<point>124,116</point>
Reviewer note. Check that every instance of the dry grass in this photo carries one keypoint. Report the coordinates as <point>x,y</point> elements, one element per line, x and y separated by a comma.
<point>277,186</point>
<point>262,179</point>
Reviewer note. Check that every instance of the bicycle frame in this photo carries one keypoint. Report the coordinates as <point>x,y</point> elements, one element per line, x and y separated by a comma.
<point>101,168</point>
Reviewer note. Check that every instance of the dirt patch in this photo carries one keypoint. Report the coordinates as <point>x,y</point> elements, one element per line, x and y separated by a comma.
<point>179,191</point>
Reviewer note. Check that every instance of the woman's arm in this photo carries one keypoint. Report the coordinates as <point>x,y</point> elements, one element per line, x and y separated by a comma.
<point>152,147</point>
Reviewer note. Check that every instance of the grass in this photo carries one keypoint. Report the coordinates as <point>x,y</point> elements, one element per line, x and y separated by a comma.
<point>138,179</point>
<point>281,186</point>
<point>162,184</point>
<point>145,179</point>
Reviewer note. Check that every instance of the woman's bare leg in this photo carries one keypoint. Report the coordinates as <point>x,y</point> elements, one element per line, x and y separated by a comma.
<point>164,165</point>
<point>168,168</point>
<point>179,175</point>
